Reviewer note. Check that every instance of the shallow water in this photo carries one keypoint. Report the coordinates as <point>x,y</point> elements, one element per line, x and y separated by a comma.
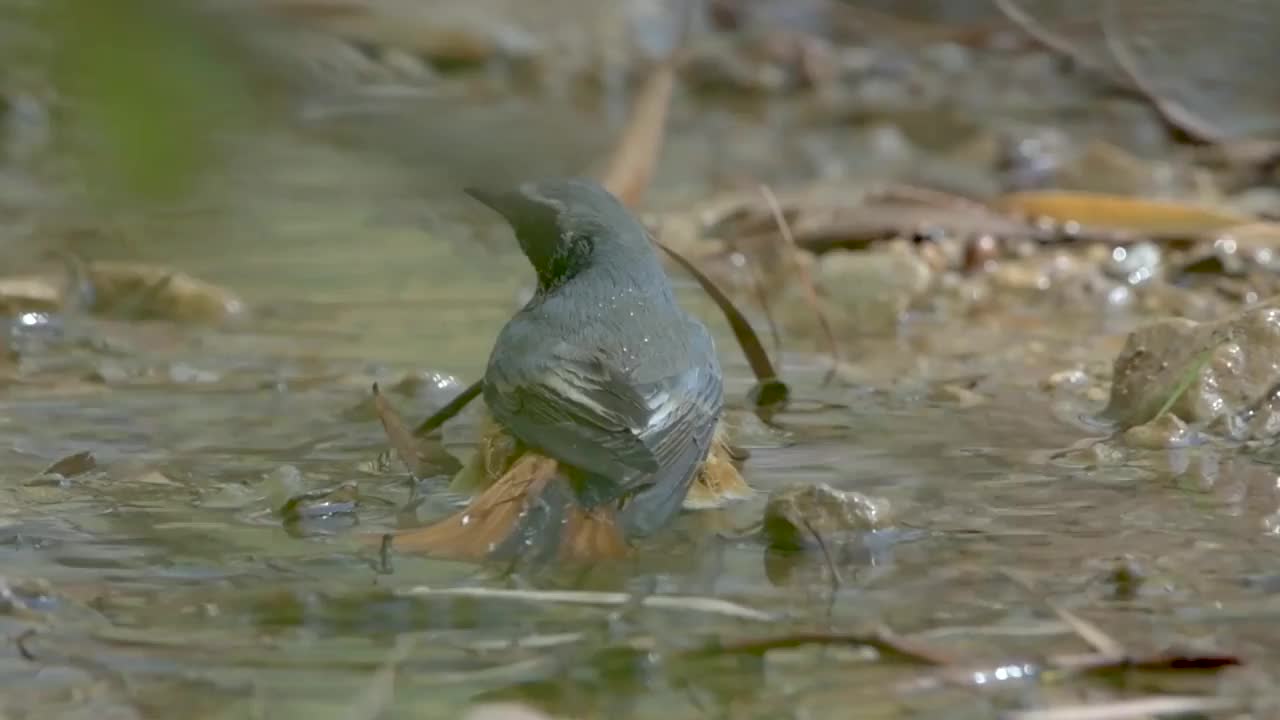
<point>173,586</point>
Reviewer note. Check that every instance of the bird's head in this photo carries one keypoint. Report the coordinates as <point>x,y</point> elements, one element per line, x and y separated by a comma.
<point>566,225</point>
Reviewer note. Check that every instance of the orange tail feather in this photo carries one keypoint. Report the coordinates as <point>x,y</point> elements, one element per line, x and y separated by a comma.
<point>591,535</point>
<point>491,521</point>
<point>718,482</point>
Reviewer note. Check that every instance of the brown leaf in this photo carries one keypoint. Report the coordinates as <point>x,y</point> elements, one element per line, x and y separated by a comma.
<point>158,291</point>
<point>1163,218</point>
<point>421,457</point>
<point>72,465</point>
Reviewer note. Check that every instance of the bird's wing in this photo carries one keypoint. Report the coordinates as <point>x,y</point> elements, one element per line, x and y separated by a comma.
<point>586,412</point>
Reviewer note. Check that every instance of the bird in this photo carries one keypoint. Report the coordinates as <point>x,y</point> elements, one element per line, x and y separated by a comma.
<point>603,397</point>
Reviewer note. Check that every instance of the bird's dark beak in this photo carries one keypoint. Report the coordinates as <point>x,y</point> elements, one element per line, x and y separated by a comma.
<point>510,204</point>
<point>489,198</point>
<point>515,206</point>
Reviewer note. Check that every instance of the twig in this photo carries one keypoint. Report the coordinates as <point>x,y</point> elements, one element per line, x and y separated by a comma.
<point>1123,709</point>
<point>1093,635</point>
<point>771,389</point>
<point>530,642</point>
<point>1098,663</point>
<point>20,643</point>
<point>836,580</point>
<point>397,434</point>
<point>757,284</point>
<point>1100,641</point>
<point>806,280</point>
<point>384,554</point>
<point>884,641</point>
<point>1109,655</point>
<point>931,197</point>
<point>710,606</point>
<point>450,410</point>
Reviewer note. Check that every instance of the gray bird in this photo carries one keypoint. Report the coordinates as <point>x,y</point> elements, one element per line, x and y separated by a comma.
<point>602,372</point>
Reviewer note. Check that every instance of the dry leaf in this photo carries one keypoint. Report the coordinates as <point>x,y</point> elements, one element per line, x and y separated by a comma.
<point>1115,212</point>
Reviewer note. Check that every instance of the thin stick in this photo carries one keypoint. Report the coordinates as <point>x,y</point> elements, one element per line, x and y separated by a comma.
<point>1099,640</point>
<point>806,280</point>
<point>757,284</point>
<point>447,413</point>
<point>710,606</point>
<point>884,641</point>
<point>1124,709</point>
<point>772,389</point>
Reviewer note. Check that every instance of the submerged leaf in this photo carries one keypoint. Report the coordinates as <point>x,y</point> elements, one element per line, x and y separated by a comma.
<point>72,465</point>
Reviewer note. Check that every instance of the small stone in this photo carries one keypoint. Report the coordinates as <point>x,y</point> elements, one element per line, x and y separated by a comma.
<point>183,373</point>
<point>1072,379</point>
<point>1096,394</point>
<point>795,514</point>
<point>1135,264</point>
<point>1166,431</point>
<point>1215,369</point>
<point>1271,524</point>
<point>1021,276</point>
<point>871,290</point>
<point>282,484</point>
<point>153,477</point>
<point>949,57</point>
<point>320,504</point>
<point>1125,578</point>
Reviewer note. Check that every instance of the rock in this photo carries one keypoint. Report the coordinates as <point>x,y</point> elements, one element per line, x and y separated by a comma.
<point>1123,578</point>
<point>1039,273</point>
<point>340,500</point>
<point>1166,431</point>
<point>28,294</point>
<point>162,292</point>
<point>869,291</point>
<point>283,484</point>
<point>1228,368</point>
<point>321,511</point>
<point>139,289</point>
<point>1135,264</point>
<point>1071,379</point>
<point>795,514</point>
<point>1032,159</point>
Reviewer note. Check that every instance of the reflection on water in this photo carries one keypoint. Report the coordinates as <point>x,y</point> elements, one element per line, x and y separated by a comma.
<point>172,582</point>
